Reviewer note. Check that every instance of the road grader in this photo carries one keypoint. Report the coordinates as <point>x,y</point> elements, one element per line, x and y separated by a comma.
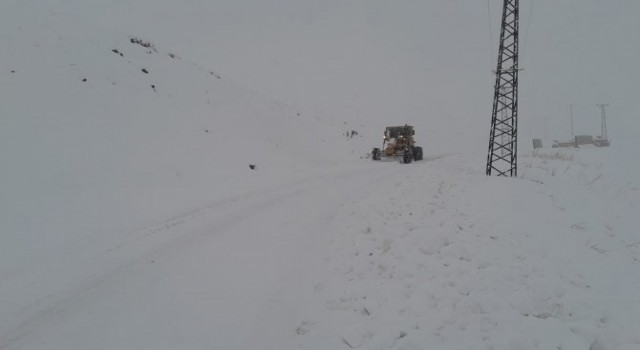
<point>398,142</point>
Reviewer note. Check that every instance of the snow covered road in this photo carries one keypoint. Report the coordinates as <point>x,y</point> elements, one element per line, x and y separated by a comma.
<point>372,256</point>
<point>220,275</point>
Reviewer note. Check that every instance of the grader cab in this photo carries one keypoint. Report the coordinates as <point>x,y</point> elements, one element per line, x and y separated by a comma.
<point>398,142</point>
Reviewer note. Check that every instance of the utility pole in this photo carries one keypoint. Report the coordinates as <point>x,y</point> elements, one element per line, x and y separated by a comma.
<point>573,134</point>
<point>603,121</point>
<point>503,143</point>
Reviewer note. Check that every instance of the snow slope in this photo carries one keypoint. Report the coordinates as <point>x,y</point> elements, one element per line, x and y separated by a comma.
<point>445,258</point>
<point>130,219</point>
<point>381,256</point>
<point>78,150</point>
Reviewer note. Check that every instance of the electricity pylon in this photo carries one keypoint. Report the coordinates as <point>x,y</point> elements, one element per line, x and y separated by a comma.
<point>503,140</point>
<point>573,134</point>
<point>603,121</point>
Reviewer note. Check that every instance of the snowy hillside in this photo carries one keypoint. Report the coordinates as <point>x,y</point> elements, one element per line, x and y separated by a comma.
<point>102,133</point>
<point>445,258</point>
<point>130,217</point>
<point>386,256</point>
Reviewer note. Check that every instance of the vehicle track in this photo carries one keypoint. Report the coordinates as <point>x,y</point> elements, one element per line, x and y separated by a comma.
<point>171,237</point>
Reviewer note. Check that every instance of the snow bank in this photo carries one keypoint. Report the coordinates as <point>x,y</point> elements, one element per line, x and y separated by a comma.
<point>446,258</point>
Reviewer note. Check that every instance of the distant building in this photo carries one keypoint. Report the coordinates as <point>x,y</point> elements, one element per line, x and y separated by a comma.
<point>537,143</point>
<point>583,140</point>
<point>579,140</point>
<point>558,144</point>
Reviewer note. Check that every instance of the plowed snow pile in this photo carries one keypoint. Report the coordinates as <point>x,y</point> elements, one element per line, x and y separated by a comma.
<point>445,258</point>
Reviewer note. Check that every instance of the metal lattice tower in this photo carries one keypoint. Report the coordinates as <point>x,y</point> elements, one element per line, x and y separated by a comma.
<point>603,121</point>
<point>503,141</point>
<point>573,134</point>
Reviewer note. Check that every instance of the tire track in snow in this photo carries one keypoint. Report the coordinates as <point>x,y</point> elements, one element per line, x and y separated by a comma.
<point>174,234</point>
<point>56,303</point>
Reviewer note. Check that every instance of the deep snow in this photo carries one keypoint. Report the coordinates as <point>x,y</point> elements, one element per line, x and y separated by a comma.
<point>130,219</point>
<point>375,256</point>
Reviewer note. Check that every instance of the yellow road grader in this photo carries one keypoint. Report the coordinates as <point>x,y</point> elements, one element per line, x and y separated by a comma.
<point>398,142</point>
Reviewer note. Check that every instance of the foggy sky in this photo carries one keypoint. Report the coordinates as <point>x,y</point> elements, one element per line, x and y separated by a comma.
<point>424,62</point>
